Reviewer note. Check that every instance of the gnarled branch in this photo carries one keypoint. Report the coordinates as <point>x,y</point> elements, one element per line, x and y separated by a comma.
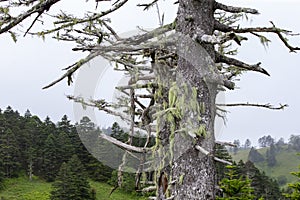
<point>231,61</point>
<point>232,9</point>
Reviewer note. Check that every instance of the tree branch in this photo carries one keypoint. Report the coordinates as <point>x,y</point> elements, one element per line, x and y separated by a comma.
<point>92,18</point>
<point>269,106</point>
<point>212,39</point>
<point>39,8</point>
<point>232,9</point>
<point>224,28</point>
<point>225,143</point>
<point>71,69</point>
<point>231,61</point>
<point>123,145</point>
<point>205,152</point>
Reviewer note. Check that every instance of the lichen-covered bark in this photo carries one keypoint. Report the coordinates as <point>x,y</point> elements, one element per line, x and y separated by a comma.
<point>194,172</point>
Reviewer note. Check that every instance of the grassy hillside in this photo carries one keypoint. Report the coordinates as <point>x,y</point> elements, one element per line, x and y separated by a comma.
<point>23,189</point>
<point>287,161</point>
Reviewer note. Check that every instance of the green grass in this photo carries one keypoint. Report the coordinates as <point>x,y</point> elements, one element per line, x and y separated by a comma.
<point>103,191</point>
<point>287,161</point>
<point>23,189</point>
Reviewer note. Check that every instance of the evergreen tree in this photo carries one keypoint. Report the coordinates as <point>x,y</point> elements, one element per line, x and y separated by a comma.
<point>271,156</point>
<point>65,149</point>
<point>72,182</point>
<point>247,144</point>
<point>51,161</point>
<point>237,146</point>
<point>263,186</point>
<point>221,170</point>
<point>235,187</point>
<point>294,142</point>
<point>30,142</point>
<point>64,125</point>
<point>254,156</point>
<point>47,128</point>
<point>1,175</point>
<point>89,136</point>
<point>9,153</point>
<point>118,133</point>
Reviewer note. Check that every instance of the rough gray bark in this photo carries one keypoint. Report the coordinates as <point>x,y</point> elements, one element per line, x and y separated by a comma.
<point>196,169</point>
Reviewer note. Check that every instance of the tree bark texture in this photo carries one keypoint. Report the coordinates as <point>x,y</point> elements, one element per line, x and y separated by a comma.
<point>193,171</point>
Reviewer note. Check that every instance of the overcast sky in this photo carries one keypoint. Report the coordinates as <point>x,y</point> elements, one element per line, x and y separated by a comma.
<point>31,63</point>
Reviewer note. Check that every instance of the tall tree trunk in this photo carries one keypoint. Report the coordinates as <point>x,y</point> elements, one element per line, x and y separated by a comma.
<point>194,171</point>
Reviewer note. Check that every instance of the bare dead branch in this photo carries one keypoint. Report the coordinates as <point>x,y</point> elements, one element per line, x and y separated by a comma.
<point>269,106</point>
<point>101,105</point>
<point>149,189</point>
<point>212,39</point>
<point>205,152</point>
<point>222,161</point>
<point>39,8</point>
<point>123,145</point>
<point>35,19</point>
<point>224,28</point>
<point>225,143</point>
<point>71,69</point>
<point>232,9</point>
<point>232,61</point>
<point>137,86</point>
<point>148,5</point>
<point>111,30</point>
<point>95,17</point>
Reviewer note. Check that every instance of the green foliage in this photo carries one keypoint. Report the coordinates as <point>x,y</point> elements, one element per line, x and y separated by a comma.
<point>51,163</point>
<point>9,153</point>
<point>271,156</point>
<point>294,142</point>
<point>128,183</point>
<point>283,167</point>
<point>1,175</point>
<point>263,186</point>
<point>72,182</point>
<point>221,152</point>
<point>254,156</point>
<point>295,187</point>
<point>23,189</point>
<point>234,187</point>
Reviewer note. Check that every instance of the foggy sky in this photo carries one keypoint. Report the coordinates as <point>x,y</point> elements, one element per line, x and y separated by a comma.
<point>32,63</point>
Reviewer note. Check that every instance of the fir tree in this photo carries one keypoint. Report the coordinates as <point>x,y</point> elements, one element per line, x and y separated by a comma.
<point>72,182</point>
<point>1,175</point>
<point>51,162</point>
<point>234,187</point>
<point>254,156</point>
<point>271,156</point>
<point>9,153</point>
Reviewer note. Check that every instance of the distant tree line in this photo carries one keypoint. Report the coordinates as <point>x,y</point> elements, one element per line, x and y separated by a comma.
<point>38,148</point>
<point>34,147</point>
<point>55,153</point>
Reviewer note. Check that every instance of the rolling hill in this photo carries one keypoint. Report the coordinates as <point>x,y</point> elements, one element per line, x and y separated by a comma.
<point>287,161</point>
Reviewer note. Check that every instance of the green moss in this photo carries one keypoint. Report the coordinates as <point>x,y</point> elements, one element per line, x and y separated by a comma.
<point>181,177</point>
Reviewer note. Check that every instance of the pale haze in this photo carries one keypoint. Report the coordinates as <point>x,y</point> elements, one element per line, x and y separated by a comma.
<point>32,63</point>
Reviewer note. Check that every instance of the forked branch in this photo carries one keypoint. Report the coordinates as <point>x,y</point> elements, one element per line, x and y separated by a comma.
<point>268,106</point>
<point>225,28</point>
